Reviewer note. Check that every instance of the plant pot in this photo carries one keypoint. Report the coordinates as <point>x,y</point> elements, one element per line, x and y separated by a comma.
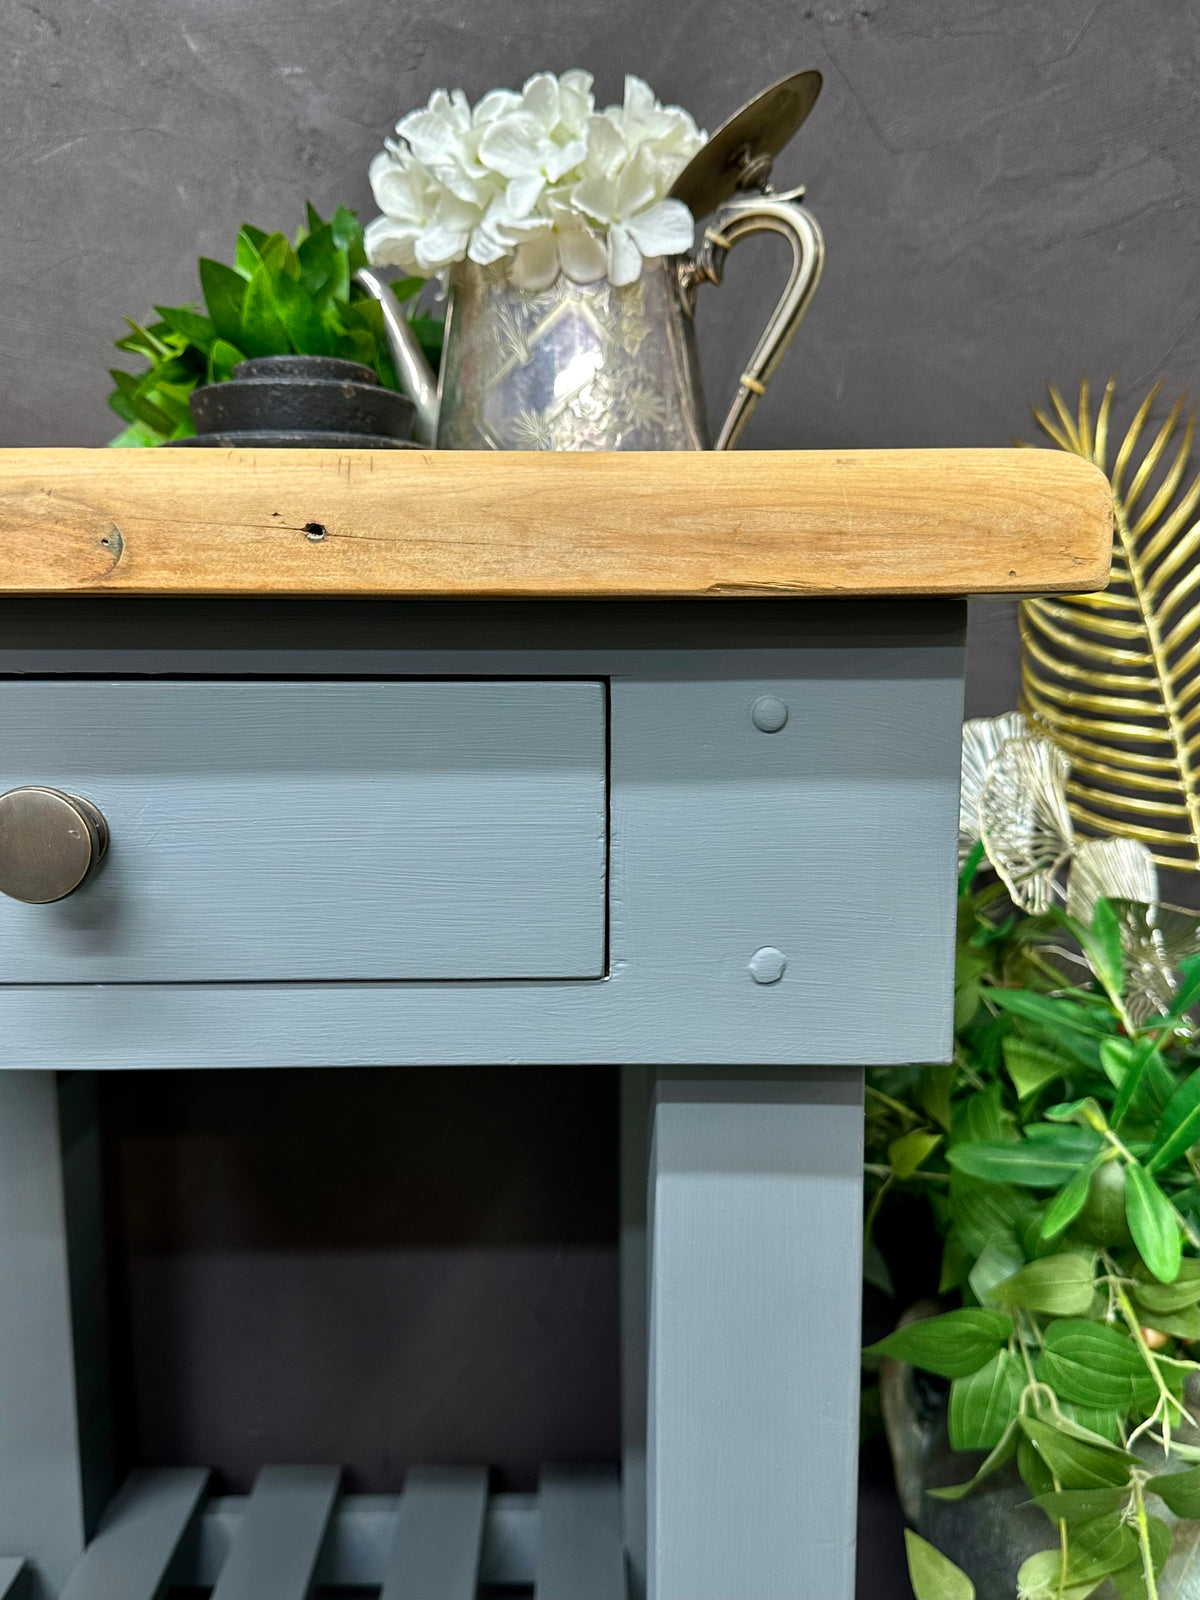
<point>994,1529</point>
<point>305,402</point>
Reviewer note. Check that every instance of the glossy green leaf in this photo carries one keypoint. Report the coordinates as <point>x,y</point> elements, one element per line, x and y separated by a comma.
<point>997,1261</point>
<point>1130,1582</point>
<point>1180,1491</point>
<point>1102,1219</point>
<point>953,1345</point>
<point>263,334</point>
<point>1078,1458</point>
<point>983,1211</point>
<point>300,317</point>
<point>1041,1162</point>
<point>1180,1294</point>
<point>1153,1224</point>
<point>1094,1365</point>
<point>222,359</point>
<point>1032,1066</point>
<point>224,295</point>
<point>983,1404</point>
<point>1104,1422</point>
<point>1102,945</point>
<point>1179,1126</point>
<point>1058,1285</point>
<point>1040,1578</point>
<point>1067,1204</point>
<point>1035,1474</point>
<point>908,1152</point>
<point>198,330</point>
<point>1100,1547</point>
<point>1081,1505</point>
<point>248,250</point>
<point>1060,1017</point>
<point>932,1575</point>
<point>982,1117</point>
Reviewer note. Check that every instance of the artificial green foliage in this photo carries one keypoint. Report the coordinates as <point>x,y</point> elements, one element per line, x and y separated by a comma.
<point>1058,1157</point>
<point>278,298</point>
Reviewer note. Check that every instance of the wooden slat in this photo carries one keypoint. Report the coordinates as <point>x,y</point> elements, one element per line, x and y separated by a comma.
<point>581,1553</point>
<point>439,1533</point>
<point>278,1543</point>
<point>14,1578</point>
<point>130,1557</point>
<point>282,522</point>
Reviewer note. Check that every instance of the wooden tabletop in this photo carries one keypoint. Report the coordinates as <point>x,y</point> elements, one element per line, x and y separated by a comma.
<point>458,524</point>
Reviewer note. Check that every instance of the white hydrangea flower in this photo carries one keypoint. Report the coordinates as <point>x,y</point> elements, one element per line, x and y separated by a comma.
<point>540,178</point>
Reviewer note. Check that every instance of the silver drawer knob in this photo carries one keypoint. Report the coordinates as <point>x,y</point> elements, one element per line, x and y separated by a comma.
<point>50,844</point>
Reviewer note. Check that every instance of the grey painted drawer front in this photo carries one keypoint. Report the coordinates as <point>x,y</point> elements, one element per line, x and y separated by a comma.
<point>273,831</point>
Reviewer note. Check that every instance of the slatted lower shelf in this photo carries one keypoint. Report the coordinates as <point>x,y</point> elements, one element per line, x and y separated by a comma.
<point>443,1538</point>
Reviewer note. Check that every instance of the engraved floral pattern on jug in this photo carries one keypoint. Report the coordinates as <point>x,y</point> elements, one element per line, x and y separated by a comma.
<point>571,367</point>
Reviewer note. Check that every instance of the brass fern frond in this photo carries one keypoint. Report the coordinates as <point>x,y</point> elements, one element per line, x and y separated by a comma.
<point>1114,677</point>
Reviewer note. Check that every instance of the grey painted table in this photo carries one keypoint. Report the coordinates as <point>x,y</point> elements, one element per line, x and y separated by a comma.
<point>709,841</point>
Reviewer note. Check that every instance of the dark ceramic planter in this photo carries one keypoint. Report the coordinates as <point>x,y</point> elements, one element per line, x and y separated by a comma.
<point>305,402</point>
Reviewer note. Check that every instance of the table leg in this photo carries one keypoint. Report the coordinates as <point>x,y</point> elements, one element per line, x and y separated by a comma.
<point>754,1244</point>
<point>46,1476</point>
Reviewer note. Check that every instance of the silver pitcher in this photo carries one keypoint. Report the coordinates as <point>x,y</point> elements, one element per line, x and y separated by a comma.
<point>595,367</point>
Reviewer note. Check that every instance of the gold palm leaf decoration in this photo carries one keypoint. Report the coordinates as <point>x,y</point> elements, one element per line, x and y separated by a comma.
<point>1114,678</point>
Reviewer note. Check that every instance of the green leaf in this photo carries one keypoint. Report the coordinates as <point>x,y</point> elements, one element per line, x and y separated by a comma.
<point>263,334</point>
<point>875,1269</point>
<point>983,1404</point>
<point>1153,1225</point>
<point>1180,1124</point>
<point>248,257</point>
<point>1100,1547</point>
<point>1039,1162</point>
<point>1180,1491</point>
<point>1178,1324</point>
<point>1078,1458</point>
<point>999,1457</point>
<point>1102,945</point>
<point>982,1211</point>
<point>300,317</point>
<point>1061,1017</point>
<point>998,1260</point>
<point>1146,1082</point>
<point>135,437</point>
<point>1130,1581</point>
<point>908,1152</point>
<point>1081,1505</point>
<point>197,330</point>
<point>1085,1113</point>
<point>1102,1220</point>
<point>1180,1294</point>
<point>143,409</point>
<point>221,361</point>
<point>981,1118</point>
<point>953,1345</point>
<point>1035,1474</point>
<point>933,1092</point>
<point>1067,1204</point>
<point>224,295</point>
<point>1040,1578</point>
<point>1059,1285</point>
<point>1105,1423</point>
<point>1032,1066</point>
<point>1187,996</point>
<point>932,1575</point>
<point>1094,1365</point>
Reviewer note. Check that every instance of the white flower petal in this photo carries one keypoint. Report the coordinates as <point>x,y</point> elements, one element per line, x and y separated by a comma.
<point>389,245</point>
<point>624,257</point>
<point>582,254</point>
<point>639,97</point>
<point>523,194</point>
<point>436,247</point>
<point>496,103</point>
<point>485,247</point>
<point>596,198</point>
<point>535,265</point>
<point>512,145</point>
<point>665,229</point>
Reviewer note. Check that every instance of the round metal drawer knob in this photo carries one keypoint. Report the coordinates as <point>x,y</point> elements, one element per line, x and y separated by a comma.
<point>51,843</point>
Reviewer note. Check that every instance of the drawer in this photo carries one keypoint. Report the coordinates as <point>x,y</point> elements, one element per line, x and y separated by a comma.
<point>267,831</point>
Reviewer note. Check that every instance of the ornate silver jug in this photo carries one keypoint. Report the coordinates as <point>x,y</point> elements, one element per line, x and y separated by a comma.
<point>596,367</point>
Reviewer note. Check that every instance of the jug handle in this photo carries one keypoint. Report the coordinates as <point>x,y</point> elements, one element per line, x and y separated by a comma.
<point>416,378</point>
<point>738,219</point>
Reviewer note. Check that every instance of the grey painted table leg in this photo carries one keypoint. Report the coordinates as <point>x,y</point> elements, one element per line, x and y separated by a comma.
<point>41,1477</point>
<point>754,1243</point>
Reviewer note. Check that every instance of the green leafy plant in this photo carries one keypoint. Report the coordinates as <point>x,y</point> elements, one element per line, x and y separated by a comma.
<point>278,298</point>
<point>1058,1156</point>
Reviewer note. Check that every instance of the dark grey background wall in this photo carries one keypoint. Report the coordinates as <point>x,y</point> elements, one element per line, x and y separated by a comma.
<point>1009,191</point>
<point>1008,187</point>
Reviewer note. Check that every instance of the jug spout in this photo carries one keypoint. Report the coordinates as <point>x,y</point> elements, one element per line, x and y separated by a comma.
<point>416,377</point>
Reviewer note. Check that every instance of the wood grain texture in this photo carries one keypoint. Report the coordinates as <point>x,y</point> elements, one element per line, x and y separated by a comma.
<point>318,830</point>
<point>280,522</point>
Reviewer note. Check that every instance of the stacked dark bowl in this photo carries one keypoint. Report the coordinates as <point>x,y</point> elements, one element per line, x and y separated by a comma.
<point>301,402</point>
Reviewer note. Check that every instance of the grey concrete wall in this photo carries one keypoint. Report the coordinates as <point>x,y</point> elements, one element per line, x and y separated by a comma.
<point>1008,186</point>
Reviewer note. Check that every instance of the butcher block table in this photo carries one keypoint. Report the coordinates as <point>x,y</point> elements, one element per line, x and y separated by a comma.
<point>402,758</point>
